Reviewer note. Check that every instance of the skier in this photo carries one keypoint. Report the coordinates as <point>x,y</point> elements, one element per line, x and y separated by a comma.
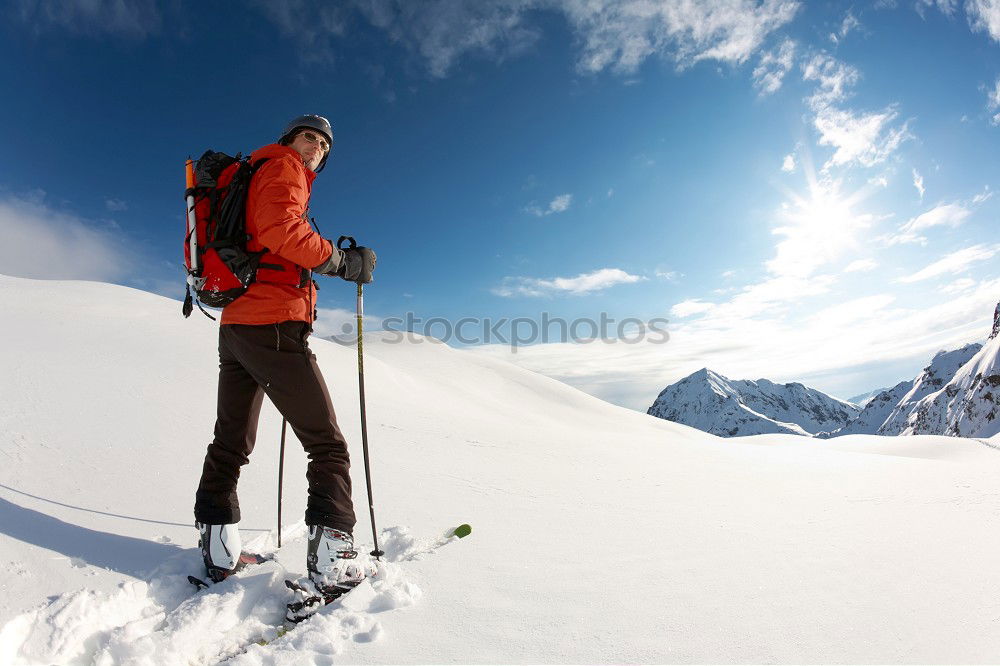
<point>263,350</point>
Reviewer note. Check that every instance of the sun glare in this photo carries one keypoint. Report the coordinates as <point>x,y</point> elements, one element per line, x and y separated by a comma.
<point>819,227</point>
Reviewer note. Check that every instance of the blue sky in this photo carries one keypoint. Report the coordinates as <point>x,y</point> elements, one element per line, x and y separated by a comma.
<point>804,190</point>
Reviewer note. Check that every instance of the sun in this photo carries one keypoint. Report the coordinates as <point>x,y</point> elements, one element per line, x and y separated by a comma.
<point>819,226</point>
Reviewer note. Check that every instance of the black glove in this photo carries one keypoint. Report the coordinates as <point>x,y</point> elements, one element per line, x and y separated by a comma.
<point>357,265</point>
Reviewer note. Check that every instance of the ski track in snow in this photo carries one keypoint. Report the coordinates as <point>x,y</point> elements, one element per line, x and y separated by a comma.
<point>165,622</point>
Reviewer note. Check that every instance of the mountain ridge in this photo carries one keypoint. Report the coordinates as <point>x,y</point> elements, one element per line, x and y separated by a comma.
<point>714,403</point>
<point>956,394</point>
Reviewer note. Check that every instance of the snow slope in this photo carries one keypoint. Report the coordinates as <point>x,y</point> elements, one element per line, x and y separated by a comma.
<point>734,408</point>
<point>932,379</point>
<point>600,534</point>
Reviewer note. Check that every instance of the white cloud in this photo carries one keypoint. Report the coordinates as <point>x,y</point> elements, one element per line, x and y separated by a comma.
<point>775,294</point>
<point>115,205</point>
<point>581,284</point>
<point>984,15</point>
<point>169,287</point>
<point>956,262</point>
<point>133,19</point>
<point>40,242</point>
<point>918,182</point>
<point>985,195</point>
<point>773,66</point>
<point>860,333</point>
<point>958,286</point>
<point>613,34</point>
<point>858,137</point>
<point>993,103</point>
<point>833,78</point>
<point>851,311</point>
<point>861,265</point>
<point>942,215</point>
<point>310,25</point>
<point>946,6</point>
<point>691,307</point>
<point>341,325</point>
<point>951,215</point>
<point>772,297</point>
<point>788,166</point>
<point>864,138</point>
<point>849,23</point>
<point>441,32</point>
<point>560,204</point>
<point>620,34</point>
<point>669,276</point>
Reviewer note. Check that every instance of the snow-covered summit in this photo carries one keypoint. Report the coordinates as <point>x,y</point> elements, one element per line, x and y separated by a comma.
<point>931,379</point>
<point>962,403</point>
<point>955,395</point>
<point>711,402</point>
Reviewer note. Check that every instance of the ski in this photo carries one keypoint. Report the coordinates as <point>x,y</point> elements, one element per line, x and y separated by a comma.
<point>311,600</point>
<point>198,583</point>
<point>309,603</point>
<point>307,599</point>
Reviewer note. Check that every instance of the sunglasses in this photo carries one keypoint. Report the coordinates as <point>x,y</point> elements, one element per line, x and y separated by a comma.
<point>316,138</point>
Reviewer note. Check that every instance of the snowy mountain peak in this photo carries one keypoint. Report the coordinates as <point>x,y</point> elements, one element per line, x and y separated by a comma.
<point>965,404</point>
<point>996,322</point>
<point>711,402</point>
<point>707,382</point>
<point>705,375</point>
<point>862,399</point>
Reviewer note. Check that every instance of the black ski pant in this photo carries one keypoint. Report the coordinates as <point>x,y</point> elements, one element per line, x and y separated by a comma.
<point>274,360</point>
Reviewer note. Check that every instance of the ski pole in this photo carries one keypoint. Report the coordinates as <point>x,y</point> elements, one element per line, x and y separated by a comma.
<point>364,423</point>
<point>281,473</point>
<point>361,394</point>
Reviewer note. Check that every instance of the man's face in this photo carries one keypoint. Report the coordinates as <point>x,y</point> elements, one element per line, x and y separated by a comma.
<point>312,146</point>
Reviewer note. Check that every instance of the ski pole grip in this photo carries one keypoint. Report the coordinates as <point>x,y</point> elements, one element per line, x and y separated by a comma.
<point>340,240</point>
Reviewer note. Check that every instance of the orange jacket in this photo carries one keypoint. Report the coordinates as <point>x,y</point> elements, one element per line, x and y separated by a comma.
<point>277,220</point>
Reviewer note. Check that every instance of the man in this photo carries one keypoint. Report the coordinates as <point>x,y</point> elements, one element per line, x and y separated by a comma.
<point>263,350</point>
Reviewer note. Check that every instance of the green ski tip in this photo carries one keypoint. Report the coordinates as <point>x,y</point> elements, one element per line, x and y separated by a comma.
<point>462,531</point>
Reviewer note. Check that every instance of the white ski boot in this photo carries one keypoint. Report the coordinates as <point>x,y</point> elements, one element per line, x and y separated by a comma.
<point>332,561</point>
<point>222,551</point>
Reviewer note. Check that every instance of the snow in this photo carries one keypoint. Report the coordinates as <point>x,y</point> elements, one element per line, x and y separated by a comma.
<point>599,534</point>
<point>863,399</point>
<point>968,405</point>
<point>875,412</point>
<point>943,366</point>
<point>713,403</point>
